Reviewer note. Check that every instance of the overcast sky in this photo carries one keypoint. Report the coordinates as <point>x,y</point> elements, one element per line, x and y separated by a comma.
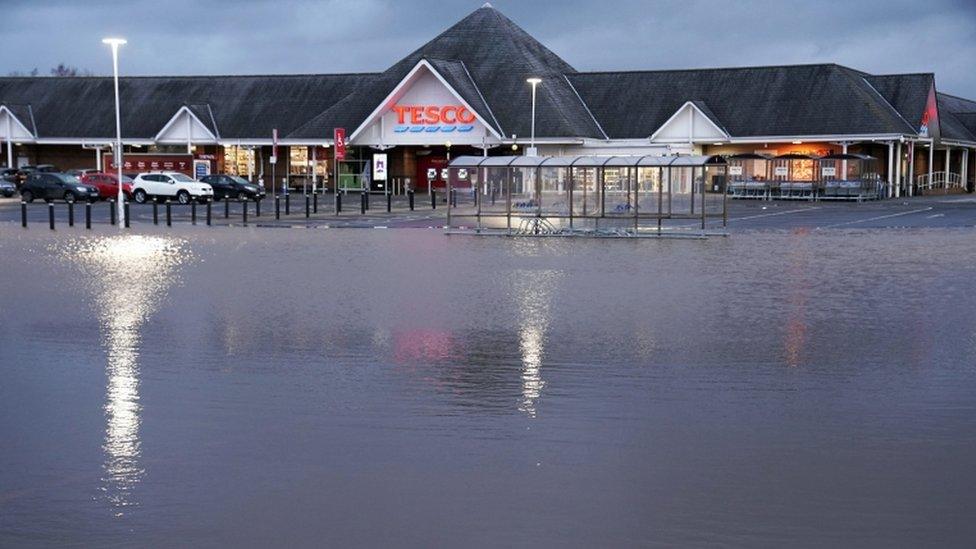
<point>282,36</point>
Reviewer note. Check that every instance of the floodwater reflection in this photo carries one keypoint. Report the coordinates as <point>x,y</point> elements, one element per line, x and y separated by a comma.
<point>128,276</point>
<point>533,294</point>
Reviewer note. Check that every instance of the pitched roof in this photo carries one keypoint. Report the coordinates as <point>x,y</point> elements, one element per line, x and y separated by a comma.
<point>24,114</point>
<point>790,100</point>
<point>957,117</point>
<point>498,56</point>
<point>241,106</point>
<point>907,93</point>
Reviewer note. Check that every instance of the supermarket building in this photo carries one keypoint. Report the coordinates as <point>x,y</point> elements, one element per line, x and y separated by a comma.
<point>465,93</point>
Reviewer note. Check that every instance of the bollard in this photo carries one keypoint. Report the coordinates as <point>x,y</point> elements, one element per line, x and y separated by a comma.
<point>338,202</point>
<point>315,203</point>
<point>277,207</point>
<point>257,206</point>
<point>125,211</point>
<point>209,213</point>
<point>23,214</point>
<point>244,205</point>
<point>71,214</point>
<point>493,196</point>
<point>287,204</point>
<point>433,199</point>
<point>111,212</point>
<point>193,212</point>
<point>389,202</point>
<point>169,214</point>
<point>88,206</point>
<point>366,194</point>
<point>410,199</point>
<point>155,212</point>
<point>308,206</point>
<point>226,207</point>
<point>50,214</point>
<point>362,203</point>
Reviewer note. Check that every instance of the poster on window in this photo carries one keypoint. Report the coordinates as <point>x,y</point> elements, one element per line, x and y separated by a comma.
<point>379,167</point>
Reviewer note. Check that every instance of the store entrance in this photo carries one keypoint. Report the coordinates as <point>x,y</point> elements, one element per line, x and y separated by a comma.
<point>431,170</point>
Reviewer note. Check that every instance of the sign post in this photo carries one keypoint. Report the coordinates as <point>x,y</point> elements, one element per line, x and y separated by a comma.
<point>274,160</point>
<point>339,152</point>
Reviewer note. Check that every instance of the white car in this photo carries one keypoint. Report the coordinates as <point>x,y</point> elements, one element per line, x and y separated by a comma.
<point>169,185</point>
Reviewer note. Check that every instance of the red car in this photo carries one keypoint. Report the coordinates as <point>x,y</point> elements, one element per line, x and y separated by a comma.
<point>107,184</point>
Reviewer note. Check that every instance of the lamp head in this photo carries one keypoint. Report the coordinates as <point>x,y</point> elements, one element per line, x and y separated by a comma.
<point>534,80</point>
<point>114,42</point>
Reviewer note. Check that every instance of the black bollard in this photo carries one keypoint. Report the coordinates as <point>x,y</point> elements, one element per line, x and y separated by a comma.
<point>155,212</point>
<point>193,212</point>
<point>50,214</point>
<point>315,203</point>
<point>111,212</point>
<point>410,199</point>
<point>244,205</point>
<point>433,199</point>
<point>23,214</point>
<point>389,202</point>
<point>209,212</point>
<point>277,207</point>
<point>287,204</point>
<point>492,196</point>
<point>257,206</point>
<point>88,215</point>
<point>125,210</point>
<point>308,206</point>
<point>338,202</point>
<point>71,214</point>
<point>366,194</point>
<point>226,207</point>
<point>362,203</point>
<point>169,214</point>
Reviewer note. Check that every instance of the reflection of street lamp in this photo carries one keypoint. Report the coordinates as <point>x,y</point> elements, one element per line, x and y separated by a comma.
<point>448,145</point>
<point>535,82</point>
<point>115,43</point>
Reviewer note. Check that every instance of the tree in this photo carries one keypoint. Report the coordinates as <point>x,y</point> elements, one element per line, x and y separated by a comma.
<point>61,71</point>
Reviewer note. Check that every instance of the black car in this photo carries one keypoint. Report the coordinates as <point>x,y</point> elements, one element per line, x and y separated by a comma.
<point>7,189</point>
<point>234,187</point>
<point>50,186</point>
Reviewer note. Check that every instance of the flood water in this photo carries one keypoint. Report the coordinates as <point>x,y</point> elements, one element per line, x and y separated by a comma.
<point>270,387</point>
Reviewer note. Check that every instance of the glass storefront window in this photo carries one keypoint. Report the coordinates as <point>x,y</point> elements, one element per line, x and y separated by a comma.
<point>298,161</point>
<point>239,161</point>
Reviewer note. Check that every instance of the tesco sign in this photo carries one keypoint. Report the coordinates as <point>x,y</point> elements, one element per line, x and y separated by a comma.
<point>433,118</point>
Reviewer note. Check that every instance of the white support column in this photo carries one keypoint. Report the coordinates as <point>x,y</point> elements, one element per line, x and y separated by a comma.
<point>189,136</point>
<point>947,170</point>
<point>98,158</point>
<point>898,164</point>
<point>910,188</point>
<point>843,163</point>
<point>964,176</point>
<point>10,142</point>
<point>891,169</point>
<point>931,158</point>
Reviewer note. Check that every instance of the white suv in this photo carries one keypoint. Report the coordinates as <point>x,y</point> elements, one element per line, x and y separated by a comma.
<point>168,185</point>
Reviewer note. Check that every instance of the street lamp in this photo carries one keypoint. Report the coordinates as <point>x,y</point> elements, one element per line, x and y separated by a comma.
<point>115,43</point>
<point>535,82</point>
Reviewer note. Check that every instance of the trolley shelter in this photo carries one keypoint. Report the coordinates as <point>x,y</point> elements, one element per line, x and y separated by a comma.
<point>567,194</point>
<point>840,176</point>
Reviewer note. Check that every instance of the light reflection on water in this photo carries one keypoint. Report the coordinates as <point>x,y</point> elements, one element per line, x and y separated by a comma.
<point>533,291</point>
<point>128,276</point>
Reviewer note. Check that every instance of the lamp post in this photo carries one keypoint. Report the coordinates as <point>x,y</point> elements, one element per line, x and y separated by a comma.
<point>115,43</point>
<point>535,82</point>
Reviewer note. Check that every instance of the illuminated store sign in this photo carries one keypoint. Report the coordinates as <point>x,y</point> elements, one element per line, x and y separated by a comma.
<point>433,118</point>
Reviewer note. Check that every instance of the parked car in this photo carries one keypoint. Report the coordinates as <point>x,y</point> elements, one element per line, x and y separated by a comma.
<point>82,173</point>
<point>50,186</point>
<point>10,175</point>
<point>108,185</point>
<point>7,189</point>
<point>49,168</point>
<point>169,185</point>
<point>232,186</point>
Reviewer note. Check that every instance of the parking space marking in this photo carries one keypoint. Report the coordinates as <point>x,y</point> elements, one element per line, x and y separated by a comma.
<point>934,216</point>
<point>774,213</point>
<point>876,218</point>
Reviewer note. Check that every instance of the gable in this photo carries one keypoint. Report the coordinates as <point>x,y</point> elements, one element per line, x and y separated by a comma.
<point>424,110</point>
<point>185,127</point>
<point>690,124</point>
<point>11,127</point>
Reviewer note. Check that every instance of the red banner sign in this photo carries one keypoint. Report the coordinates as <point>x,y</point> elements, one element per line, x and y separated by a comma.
<point>339,135</point>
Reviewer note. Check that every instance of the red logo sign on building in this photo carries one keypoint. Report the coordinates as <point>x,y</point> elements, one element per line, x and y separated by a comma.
<point>339,135</point>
